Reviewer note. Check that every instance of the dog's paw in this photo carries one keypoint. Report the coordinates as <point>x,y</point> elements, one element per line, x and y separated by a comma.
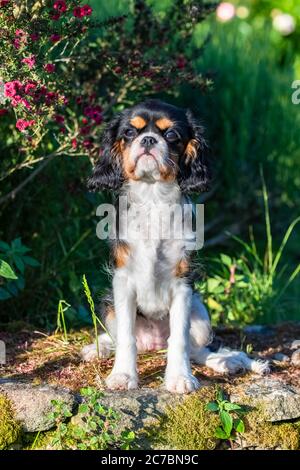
<point>89,353</point>
<point>119,381</point>
<point>185,383</point>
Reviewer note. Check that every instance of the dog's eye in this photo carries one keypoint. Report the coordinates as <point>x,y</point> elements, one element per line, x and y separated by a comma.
<point>171,136</point>
<point>130,133</point>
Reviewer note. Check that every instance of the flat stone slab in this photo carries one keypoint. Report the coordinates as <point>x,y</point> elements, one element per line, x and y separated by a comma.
<point>32,403</point>
<point>280,401</point>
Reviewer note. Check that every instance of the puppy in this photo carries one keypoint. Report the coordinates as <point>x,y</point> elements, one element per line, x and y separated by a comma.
<point>154,154</point>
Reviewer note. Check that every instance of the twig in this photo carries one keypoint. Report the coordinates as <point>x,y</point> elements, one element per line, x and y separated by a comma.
<point>12,194</point>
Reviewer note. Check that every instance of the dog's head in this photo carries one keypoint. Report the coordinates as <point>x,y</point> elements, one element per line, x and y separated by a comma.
<point>152,141</point>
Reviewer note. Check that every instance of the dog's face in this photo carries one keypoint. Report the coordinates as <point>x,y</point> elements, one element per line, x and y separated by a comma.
<point>153,141</point>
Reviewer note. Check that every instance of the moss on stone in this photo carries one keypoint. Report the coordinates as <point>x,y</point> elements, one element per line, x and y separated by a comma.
<point>10,430</point>
<point>266,435</point>
<point>189,426</point>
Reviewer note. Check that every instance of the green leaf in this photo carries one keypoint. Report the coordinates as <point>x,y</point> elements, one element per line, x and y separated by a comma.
<point>220,395</point>
<point>221,434</point>
<point>212,285</point>
<point>226,260</point>
<point>19,263</point>
<point>212,406</point>
<point>6,271</point>
<point>4,295</point>
<point>4,246</point>
<point>83,408</point>
<point>239,425</point>
<point>226,421</point>
<point>231,406</point>
<point>31,261</point>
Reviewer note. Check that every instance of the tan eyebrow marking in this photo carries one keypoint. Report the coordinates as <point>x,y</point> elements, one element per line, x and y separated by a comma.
<point>164,123</point>
<point>138,122</point>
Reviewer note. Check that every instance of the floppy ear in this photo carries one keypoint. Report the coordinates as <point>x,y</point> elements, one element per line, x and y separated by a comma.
<point>107,173</point>
<point>194,173</point>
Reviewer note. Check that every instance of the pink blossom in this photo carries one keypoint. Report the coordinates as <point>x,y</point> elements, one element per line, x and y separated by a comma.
<point>50,68</point>
<point>55,37</point>
<point>30,61</point>
<point>59,119</point>
<point>78,99</point>
<point>20,32</point>
<point>87,10</point>
<point>29,87</point>
<point>12,88</point>
<point>3,3</point>
<point>181,62</point>
<point>3,111</point>
<point>87,143</point>
<point>22,125</point>
<point>60,6</point>
<point>34,37</point>
<point>95,113</point>
<point>55,16</point>
<point>50,97</point>
<point>225,11</point>
<point>74,143</point>
<point>25,103</point>
<point>78,12</point>
<point>16,100</point>
<point>17,43</point>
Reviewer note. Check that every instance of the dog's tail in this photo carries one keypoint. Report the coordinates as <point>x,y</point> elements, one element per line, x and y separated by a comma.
<point>227,361</point>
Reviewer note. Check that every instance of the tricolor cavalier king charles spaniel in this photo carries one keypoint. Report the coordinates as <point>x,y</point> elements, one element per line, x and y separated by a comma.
<point>155,155</point>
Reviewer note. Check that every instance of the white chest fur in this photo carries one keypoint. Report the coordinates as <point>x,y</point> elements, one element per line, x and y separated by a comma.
<point>156,244</point>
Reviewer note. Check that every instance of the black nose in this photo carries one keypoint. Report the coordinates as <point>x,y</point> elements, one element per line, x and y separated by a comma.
<point>148,141</point>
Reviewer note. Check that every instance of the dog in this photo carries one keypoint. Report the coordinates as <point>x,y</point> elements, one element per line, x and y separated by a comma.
<point>155,154</point>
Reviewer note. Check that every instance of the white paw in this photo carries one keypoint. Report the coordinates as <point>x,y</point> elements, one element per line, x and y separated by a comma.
<point>89,353</point>
<point>119,381</point>
<point>185,383</point>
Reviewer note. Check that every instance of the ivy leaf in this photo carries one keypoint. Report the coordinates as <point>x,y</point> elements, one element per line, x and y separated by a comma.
<point>227,422</point>
<point>6,271</point>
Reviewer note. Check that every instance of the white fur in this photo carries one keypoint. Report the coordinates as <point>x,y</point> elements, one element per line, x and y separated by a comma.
<point>171,311</point>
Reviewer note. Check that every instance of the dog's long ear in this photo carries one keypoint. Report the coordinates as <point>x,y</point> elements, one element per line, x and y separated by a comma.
<point>194,173</point>
<point>107,173</point>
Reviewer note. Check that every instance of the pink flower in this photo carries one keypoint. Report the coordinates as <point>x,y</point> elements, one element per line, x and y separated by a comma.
<point>50,68</point>
<point>12,88</point>
<point>22,125</point>
<point>181,62</point>
<point>78,12</point>
<point>25,103</point>
<point>78,99</point>
<point>59,119</point>
<point>94,112</point>
<point>16,100</point>
<point>74,143</point>
<point>50,97</point>
<point>225,11</point>
<point>3,3</point>
<point>55,16</point>
<point>30,61</point>
<point>62,130</point>
<point>87,10</point>
<point>55,37</point>
<point>87,144</point>
<point>29,87</point>
<point>3,111</point>
<point>34,37</point>
<point>20,32</point>
<point>60,6</point>
<point>17,43</point>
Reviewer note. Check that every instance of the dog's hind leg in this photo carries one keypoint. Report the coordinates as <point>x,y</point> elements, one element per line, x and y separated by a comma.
<point>105,345</point>
<point>226,361</point>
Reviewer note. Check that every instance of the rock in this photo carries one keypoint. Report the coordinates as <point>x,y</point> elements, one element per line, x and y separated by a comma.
<point>32,403</point>
<point>139,408</point>
<point>295,359</point>
<point>280,401</point>
<point>258,330</point>
<point>295,344</point>
<point>280,357</point>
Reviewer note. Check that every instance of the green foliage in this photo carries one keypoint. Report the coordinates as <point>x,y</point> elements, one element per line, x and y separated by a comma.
<point>61,322</point>
<point>250,288</point>
<point>10,430</point>
<point>14,259</point>
<point>230,417</point>
<point>93,428</point>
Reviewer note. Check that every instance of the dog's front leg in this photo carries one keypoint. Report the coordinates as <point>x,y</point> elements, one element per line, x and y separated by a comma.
<point>179,378</point>
<point>124,373</point>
